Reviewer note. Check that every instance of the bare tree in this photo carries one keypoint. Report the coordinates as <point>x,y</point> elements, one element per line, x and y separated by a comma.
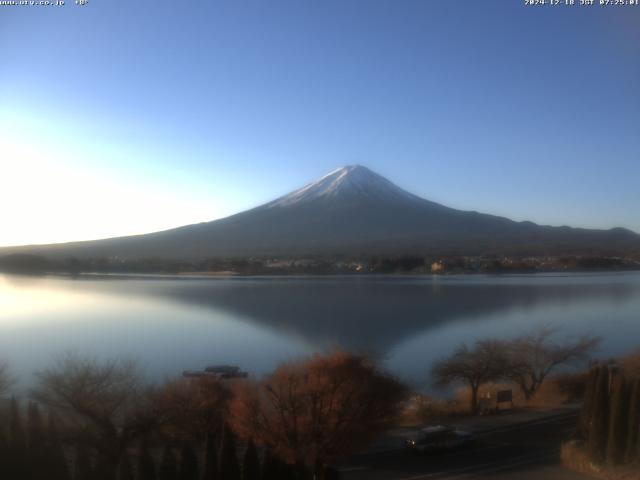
<point>485,362</point>
<point>534,356</point>
<point>317,410</point>
<point>104,404</point>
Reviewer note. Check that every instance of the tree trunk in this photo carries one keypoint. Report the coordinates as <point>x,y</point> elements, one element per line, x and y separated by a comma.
<point>618,422</point>
<point>529,392</point>
<point>599,424</point>
<point>318,470</point>
<point>474,398</point>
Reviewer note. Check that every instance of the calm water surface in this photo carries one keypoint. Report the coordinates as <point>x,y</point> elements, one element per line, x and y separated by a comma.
<point>173,324</point>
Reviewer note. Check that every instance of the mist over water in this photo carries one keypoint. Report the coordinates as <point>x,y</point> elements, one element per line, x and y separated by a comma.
<point>173,324</point>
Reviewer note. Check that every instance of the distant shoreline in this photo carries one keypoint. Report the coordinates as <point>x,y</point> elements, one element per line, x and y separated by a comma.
<point>406,265</point>
<point>233,275</point>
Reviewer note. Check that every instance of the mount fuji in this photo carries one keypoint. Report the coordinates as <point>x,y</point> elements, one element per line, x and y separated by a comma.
<point>351,211</point>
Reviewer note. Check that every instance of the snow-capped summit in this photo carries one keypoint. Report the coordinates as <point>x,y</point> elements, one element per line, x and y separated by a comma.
<point>351,182</point>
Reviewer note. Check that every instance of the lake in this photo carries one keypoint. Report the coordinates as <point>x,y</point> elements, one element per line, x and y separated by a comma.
<point>173,324</point>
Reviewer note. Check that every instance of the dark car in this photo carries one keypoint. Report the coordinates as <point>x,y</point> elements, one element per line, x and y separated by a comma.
<point>438,438</point>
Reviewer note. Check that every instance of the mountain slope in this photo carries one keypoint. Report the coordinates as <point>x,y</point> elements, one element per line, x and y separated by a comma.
<point>352,211</point>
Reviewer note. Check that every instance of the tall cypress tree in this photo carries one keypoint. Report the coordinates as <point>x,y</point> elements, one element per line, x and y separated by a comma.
<point>106,467</point>
<point>56,460</point>
<point>633,437</point>
<point>331,473</point>
<point>146,465</point>
<point>4,455</point>
<point>17,461</point>
<point>210,459</point>
<point>188,462</point>
<point>125,469</point>
<point>587,404</point>
<point>302,471</point>
<point>229,468</point>
<point>289,471</point>
<point>251,463</point>
<point>35,430</point>
<point>274,468</point>
<point>36,444</point>
<point>270,467</point>
<point>83,469</point>
<point>618,422</point>
<point>598,428</point>
<point>16,430</point>
<point>168,465</point>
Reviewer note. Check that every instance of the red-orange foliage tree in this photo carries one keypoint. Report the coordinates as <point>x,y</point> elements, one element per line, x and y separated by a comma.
<point>195,408</point>
<point>631,364</point>
<point>317,410</point>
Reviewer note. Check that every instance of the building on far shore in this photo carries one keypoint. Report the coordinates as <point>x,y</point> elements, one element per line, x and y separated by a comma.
<point>437,267</point>
<point>220,372</point>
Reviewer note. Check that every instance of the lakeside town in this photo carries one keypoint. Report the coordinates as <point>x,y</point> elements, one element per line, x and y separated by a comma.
<point>403,264</point>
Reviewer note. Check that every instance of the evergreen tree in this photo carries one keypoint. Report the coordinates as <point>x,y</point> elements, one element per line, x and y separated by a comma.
<point>210,459</point>
<point>331,473</point>
<point>587,405</point>
<point>251,463</point>
<point>35,430</point>
<point>618,421</point>
<point>229,468</point>
<point>598,427</point>
<point>125,469</point>
<point>106,467</point>
<point>300,471</point>
<point>17,461</point>
<point>56,460</point>
<point>270,467</point>
<point>291,472</point>
<point>168,465</point>
<point>188,462</point>
<point>36,444</point>
<point>273,468</point>
<point>633,437</point>
<point>16,431</point>
<point>83,469</point>
<point>4,455</point>
<point>146,465</point>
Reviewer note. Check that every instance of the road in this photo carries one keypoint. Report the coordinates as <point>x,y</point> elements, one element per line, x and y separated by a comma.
<point>518,452</point>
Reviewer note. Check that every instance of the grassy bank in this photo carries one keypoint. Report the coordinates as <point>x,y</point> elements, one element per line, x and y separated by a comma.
<point>575,458</point>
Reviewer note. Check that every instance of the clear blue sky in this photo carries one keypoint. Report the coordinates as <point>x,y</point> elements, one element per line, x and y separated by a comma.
<point>128,116</point>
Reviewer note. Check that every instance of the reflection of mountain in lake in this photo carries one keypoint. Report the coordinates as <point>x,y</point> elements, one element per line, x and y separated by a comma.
<point>378,314</point>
